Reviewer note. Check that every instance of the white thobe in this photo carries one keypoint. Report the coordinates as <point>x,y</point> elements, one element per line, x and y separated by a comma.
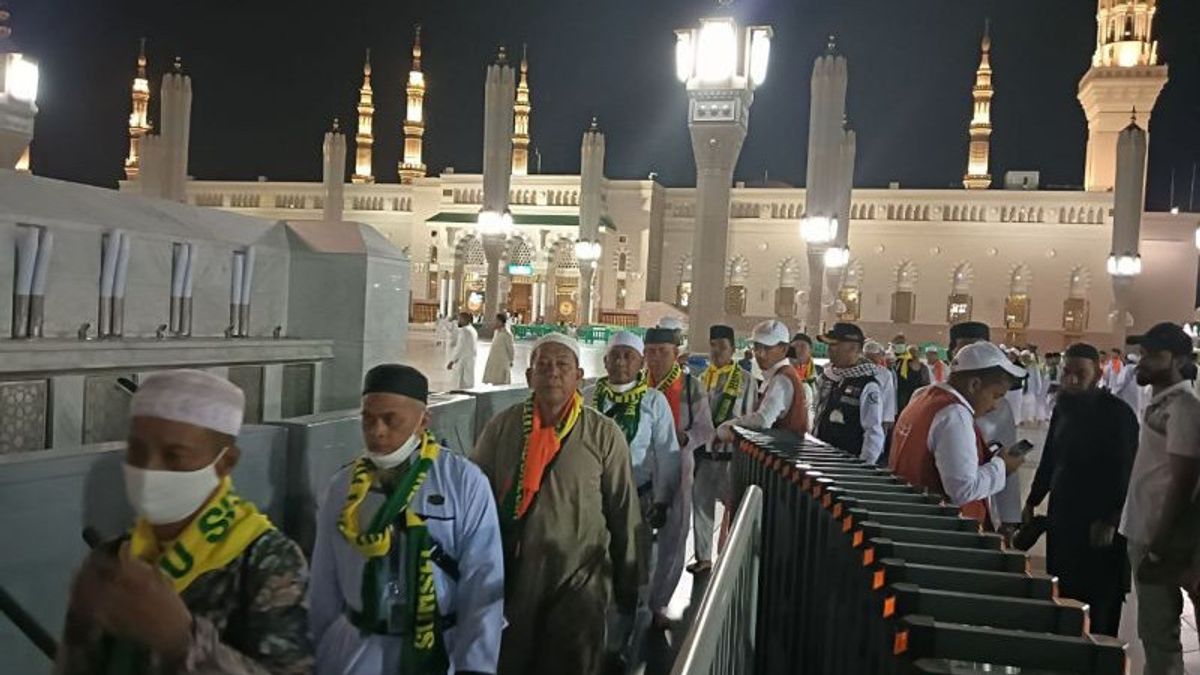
<point>712,481</point>
<point>462,375</point>
<point>498,369</point>
<point>456,502</point>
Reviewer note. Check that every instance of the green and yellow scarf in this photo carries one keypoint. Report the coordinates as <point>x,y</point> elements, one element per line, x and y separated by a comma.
<point>426,653</point>
<point>626,408</point>
<point>729,393</point>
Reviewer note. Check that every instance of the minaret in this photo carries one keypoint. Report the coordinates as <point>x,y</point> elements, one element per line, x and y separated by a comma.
<point>138,124</point>
<point>414,121</point>
<point>364,139</point>
<point>1125,74</point>
<point>977,177</point>
<point>521,108</point>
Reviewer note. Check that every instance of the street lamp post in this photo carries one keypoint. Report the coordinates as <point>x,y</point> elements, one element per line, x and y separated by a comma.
<point>1125,262</point>
<point>18,97</point>
<point>495,219</point>
<point>721,66</point>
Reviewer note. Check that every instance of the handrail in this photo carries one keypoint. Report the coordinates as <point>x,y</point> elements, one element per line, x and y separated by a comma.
<point>721,639</point>
<point>27,625</point>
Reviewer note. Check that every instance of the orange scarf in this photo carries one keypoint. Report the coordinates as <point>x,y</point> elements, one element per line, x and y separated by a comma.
<point>804,370</point>
<point>541,447</point>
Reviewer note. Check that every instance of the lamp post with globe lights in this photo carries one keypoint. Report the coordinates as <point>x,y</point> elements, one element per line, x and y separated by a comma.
<point>721,65</point>
<point>18,96</point>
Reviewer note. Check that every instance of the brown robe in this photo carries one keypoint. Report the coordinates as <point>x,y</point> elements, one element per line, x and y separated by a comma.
<point>580,545</point>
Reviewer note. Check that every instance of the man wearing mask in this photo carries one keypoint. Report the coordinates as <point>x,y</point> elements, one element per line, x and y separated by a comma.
<point>1085,468</point>
<point>204,583</point>
<point>999,429</point>
<point>850,403</point>
<point>780,398</point>
<point>936,444</point>
<point>730,394</point>
<point>694,429</point>
<point>498,369</point>
<point>407,573</point>
<point>562,479</point>
<point>1160,490</point>
<point>462,361</point>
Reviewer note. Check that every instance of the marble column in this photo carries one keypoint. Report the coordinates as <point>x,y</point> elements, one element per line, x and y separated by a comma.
<point>591,203</point>
<point>1124,263</point>
<point>334,173</point>
<point>499,91</point>
<point>825,189</point>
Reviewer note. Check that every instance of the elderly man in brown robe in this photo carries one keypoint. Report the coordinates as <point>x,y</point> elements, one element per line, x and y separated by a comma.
<point>569,518</point>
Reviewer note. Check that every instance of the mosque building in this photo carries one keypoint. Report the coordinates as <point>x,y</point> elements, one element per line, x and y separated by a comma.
<point>1029,261</point>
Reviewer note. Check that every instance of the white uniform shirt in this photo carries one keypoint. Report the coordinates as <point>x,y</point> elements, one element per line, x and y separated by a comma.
<point>1171,427</point>
<point>776,394</point>
<point>887,393</point>
<point>463,373</point>
<point>952,442</point>
<point>655,447</point>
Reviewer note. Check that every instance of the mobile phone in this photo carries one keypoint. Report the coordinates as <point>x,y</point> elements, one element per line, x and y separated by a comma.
<point>1022,447</point>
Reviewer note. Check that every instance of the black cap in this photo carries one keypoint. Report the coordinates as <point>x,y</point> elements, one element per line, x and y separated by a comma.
<point>662,336</point>
<point>843,332</point>
<point>719,332</point>
<point>970,330</point>
<point>1163,337</point>
<point>393,378</point>
<point>1080,350</point>
<point>801,337</point>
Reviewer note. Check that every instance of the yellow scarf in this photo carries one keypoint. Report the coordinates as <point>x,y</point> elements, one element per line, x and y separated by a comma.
<point>377,542</point>
<point>225,527</point>
<point>711,374</point>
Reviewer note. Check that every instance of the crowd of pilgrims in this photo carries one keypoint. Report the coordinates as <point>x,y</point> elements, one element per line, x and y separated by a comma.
<point>561,536</point>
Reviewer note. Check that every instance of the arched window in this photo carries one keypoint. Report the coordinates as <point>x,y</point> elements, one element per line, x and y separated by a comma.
<point>1016,305</point>
<point>904,298</point>
<point>683,290</point>
<point>789,283</point>
<point>959,305</point>
<point>735,289</point>
<point>849,303</point>
<point>1075,307</point>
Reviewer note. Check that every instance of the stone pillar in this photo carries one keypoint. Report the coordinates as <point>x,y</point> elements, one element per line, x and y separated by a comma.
<point>591,205</point>
<point>654,257</point>
<point>334,174</point>
<point>1124,262</point>
<point>175,125</point>
<point>716,147</point>
<point>495,219</point>
<point>493,304</point>
<point>816,289</point>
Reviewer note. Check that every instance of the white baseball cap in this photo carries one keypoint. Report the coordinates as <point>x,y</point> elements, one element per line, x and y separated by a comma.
<point>872,347</point>
<point>984,355</point>
<point>770,333</point>
<point>626,338</point>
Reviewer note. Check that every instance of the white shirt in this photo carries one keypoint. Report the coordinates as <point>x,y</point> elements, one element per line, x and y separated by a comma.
<point>776,394</point>
<point>655,448</point>
<point>743,405</point>
<point>887,393</point>
<point>1171,427</point>
<point>952,442</point>
<point>1128,390</point>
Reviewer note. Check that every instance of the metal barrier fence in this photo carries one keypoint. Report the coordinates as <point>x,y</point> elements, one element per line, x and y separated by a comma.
<point>722,637</point>
<point>864,573</point>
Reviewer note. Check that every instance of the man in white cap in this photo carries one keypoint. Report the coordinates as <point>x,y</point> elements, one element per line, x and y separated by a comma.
<point>781,403</point>
<point>462,361</point>
<point>646,420</point>
<point>204,583</point>
<point>936,444</point>
<point>876,354</point>
<point>569,520</point>
<point>407,573</point>
<point>730,394</point>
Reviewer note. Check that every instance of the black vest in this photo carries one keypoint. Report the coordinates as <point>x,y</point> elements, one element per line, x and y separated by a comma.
<point>838,421</point>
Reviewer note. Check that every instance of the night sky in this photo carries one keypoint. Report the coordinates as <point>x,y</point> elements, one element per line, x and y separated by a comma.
<point>269,75</point>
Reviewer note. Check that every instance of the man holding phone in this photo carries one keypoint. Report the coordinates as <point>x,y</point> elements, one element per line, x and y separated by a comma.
<point>1085,467</point>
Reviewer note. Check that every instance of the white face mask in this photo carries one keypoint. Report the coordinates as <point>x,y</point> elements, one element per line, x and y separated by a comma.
<point>396,457</point>
<point>164,497</point>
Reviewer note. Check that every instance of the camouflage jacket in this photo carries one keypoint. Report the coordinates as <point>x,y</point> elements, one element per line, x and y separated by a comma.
<point>250,618</point>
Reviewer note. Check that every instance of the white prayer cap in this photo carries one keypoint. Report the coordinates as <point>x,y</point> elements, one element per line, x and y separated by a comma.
<point>192,397</point>
<point>984,355</point>
<point>670,323</point>
<point>626,338</point>
<point>872,347</point>
<point>556,338</point>
<point>770,333</point>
